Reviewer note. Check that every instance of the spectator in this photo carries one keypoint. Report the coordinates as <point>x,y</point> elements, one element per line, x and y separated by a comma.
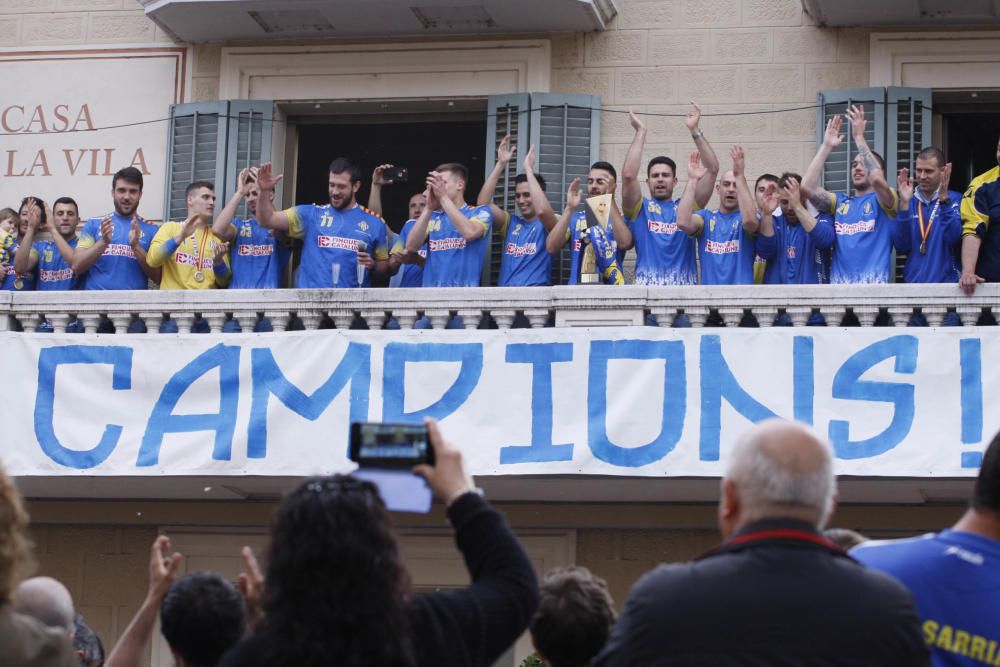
<point>8,220</point>
<point>954,574</point>
<point>112,250</point>
<point>845,538</point>
<point>343,242</point>
<point>929,244</point>
<point>201,614</point>
<point>259,256</point>
<point>775,591</point>
<point>190,254</point>
<point>47,600</point>
<point>24,641</point>
<point>572,226</point>
<point>725,235</point>
<point>334,557</point>
<point>862,223</point>
<point>87,644</point>
<point>574,618</point>
<point>24,280</point>
<point>664,254</point>
<point>981,227</point>
<point>456,233</point>
<point>524,262</point>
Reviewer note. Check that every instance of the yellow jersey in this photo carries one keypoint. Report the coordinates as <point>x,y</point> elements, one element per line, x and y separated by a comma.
<point>188,265</point>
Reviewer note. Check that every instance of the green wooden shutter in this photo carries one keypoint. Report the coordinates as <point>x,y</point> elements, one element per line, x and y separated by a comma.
<point>248,143</point>
<point>908,130</point>
<point>837,171</point>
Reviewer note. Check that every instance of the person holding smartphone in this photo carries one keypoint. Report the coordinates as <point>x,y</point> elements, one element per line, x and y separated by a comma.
<point>337,591</point>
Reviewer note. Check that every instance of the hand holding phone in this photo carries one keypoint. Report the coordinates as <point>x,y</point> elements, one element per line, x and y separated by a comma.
<point>395,174</point>
<point>447,477</point>
<point>395,446</point>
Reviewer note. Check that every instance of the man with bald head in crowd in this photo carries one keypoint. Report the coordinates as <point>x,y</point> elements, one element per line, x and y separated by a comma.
<point>47,600</point>
<point>775,591</point>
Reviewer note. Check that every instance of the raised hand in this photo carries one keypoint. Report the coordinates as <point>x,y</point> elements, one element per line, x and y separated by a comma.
<point>696,171</point>
<point>856,114</point>
<point>188,227</point>
<point>432,203</point>
<point>244,181</point>
<point>266,178</point>
<point>162,567</point>
<point>378,177</point>
<point>945,181</point>
<point>574,195</point>
<point>634,121</point>
<point>107,228</point>
<point>251,585</point>
<point>447,477</point>
<point>134,233</point>
<point>904,186</point>
<point>693,117</point>
<point>832,137</point>
<point>771,199</point>
<point>739,161</point>
<point>792,191</point>
<point>34,212</point>
<point>436,183</point>
<point>529,159</point>
<point>505,152</point>
<point>220,251</point>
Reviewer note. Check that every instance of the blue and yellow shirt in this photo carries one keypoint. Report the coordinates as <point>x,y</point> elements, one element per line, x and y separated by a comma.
<point>862,251</point>
<point>981,216</point>
<point>726,251</point>
<point>53,271</point>
<point>257,257</point>
<point>453,261</point>
<point>117,267</point>
<point>330,240</point>
<point>664,254</point>
<point>525,261</point>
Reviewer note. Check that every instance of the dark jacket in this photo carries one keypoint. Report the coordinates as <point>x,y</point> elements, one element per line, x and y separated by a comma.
<point>474,625</point>
<point>776,593</point>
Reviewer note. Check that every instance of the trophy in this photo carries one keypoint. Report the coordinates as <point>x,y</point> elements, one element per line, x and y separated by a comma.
<point>598,212</point>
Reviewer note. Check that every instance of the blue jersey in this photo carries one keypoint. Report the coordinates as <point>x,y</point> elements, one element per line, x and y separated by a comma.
<point>410,275</point>
<point>792,254</point>
<point>257,257</point>
<point>117,267</point>
<point>863,245</point>
<point>955,579</point>
<point>330,240</point>
<point>937,264</point>
<point>453,261</point>
<point>17,282</point>
<point>664,253</point>
<point>574,234</point>
<point>525,261</point>
<point>726,251</point>
<point>53,271</point>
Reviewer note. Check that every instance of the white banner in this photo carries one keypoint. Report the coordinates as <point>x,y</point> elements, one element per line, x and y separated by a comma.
<point>636,401</point>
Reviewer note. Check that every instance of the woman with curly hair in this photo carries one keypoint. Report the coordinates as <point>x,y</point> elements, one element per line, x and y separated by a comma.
<point>336,592</point>
<point>24,642</point>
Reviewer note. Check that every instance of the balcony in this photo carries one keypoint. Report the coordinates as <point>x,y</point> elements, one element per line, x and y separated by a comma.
<point>569,306</point>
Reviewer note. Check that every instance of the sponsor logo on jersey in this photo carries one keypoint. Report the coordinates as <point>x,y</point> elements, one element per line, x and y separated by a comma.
<point>658,227</point>
<point>452,243</point>
<point>119,250</point>
<point>851,228</point>
<point>515,250</point>
<point>255,250</point>
<point>55,276</point>
<point>337,243</point>
<point>722,247</point>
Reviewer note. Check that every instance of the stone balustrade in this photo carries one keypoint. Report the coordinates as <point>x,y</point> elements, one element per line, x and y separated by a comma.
<point>595,305</point>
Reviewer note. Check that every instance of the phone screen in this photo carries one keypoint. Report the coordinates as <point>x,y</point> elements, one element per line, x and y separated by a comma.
<point>390,445</point>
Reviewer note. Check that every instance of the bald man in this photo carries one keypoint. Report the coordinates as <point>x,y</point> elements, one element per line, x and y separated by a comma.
<point>775,592</point>
<point>46,600</point>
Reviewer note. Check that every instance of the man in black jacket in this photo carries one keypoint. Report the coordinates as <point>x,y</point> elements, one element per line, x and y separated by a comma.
<point>775,592</point>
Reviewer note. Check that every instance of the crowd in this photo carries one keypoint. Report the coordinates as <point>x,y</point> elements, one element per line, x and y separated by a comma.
<point>787,230</point>
<point>776,591</point>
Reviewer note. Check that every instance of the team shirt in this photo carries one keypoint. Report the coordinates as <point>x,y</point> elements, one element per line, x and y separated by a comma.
<point>257,257</point>
<point>54,272</point>
<point>937,265</point>
<point>863,242</point>
<point>664,253</point>
<point>726,250</point>
<point>981,216</point>
<point>452,261</point>
<point>409,275</point>
<point>117,267</point>
<point>525,261</point>
<point>792,254</point>
<point>574,234</point>
<point>14,281</point>
<point>954,577</point>
<point>330,240</point>
<point>183,263</point>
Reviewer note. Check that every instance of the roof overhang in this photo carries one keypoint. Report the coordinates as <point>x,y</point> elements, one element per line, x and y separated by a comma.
<point>885,13</point>
<point>199,21</point>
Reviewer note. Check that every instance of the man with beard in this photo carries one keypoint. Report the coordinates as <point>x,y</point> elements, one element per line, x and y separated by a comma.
<point>664,255</point>
<point>862,223</point>
<point>790,239</point>
<point>112,250</point>
<point>338,238</point>
<point>51,256</point>
<point>525,261</point>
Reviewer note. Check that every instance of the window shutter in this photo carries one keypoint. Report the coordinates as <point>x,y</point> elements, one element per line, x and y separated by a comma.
<point>212,141</point>
<point>196,146</point>
<point>837,171</point>
<point>908,130</point>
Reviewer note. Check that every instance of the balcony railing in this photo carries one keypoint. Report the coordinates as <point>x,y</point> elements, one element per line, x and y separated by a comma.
<point>529,306</point>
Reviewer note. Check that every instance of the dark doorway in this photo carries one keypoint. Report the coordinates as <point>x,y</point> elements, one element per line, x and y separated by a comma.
<point>418,145</point>
<point>971,139</point>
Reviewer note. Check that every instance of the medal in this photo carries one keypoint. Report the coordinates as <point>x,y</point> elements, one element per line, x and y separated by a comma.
<point>925,231</point>
<point>199,249</point>
<point>199,276</point>
<point>923,247</point>
<point>18,283</point>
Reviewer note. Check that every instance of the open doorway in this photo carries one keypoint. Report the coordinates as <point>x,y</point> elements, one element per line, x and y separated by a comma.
<point>418,142</point>
<point>970,124</point>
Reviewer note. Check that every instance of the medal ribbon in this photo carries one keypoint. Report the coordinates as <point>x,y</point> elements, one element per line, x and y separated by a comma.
<point>199,249</point>
<point>925,231</point>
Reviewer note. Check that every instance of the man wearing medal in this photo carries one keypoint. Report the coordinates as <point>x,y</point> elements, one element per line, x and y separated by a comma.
<point>191,255</point>
<point>929,223</point>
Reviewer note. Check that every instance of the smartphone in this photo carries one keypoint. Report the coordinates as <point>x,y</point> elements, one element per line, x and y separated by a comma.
<point>377,445</point>
<point>396,174</point>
